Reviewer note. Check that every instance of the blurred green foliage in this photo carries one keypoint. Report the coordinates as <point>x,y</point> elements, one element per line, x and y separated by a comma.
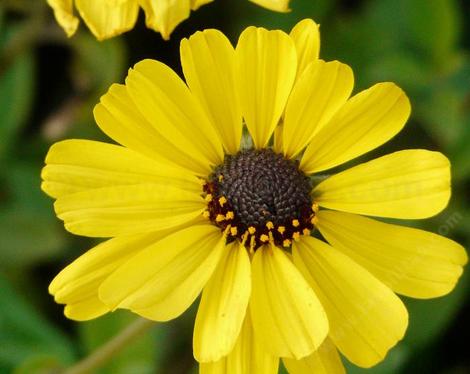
<point>49,85</point>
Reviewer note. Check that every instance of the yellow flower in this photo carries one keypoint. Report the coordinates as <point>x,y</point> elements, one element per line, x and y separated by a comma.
<point>192,208</point>
<point>108,18</point>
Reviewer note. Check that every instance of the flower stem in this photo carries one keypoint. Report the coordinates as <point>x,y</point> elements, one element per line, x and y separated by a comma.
<point>107,351</point>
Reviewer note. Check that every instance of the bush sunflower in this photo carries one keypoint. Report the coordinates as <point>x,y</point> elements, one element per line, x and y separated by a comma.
<point>210,190</point>
<point>108,18</point>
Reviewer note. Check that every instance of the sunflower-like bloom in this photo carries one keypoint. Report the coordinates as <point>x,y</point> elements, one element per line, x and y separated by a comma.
<point>210,190</point>
<point>108,18</point>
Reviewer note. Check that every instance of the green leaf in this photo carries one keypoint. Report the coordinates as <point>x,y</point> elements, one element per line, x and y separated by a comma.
<point>433,26</point>
<point>16,94</point>
<point>429,28</point>
<point>27,239</point>
<point>24,333</point>
<point>97,65</point>
<point>29,230</point>
<point>442,107</point>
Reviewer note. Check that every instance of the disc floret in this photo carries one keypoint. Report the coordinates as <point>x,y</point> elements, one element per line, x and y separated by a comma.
<point>260,197</point>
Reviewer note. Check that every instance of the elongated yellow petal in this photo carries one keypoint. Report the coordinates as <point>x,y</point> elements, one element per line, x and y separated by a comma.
<point>366,317</point>
<point>325,360</point>
<point>63,13</point>
<point>318,94</point>
<point>266,64</point>
<point>78,165</point>
<point>164,15</point>
<point>163,280</point>
<point>166,102</point>
<point>86,309</point>
<point>223,305</point>
<point>248,356</point>
<point>411,262</point>
<point>126,210</point>
<point>208,61</point>
<point>119,118</point>
<point>77,284</point>
<point>408,184</point>
<point>106,19</point>
<point>277,139</point>
<point>365,122</point>
<point>276,5</point>
<point>195,4</point>
<point>306,37</point>
<point>288,319</point>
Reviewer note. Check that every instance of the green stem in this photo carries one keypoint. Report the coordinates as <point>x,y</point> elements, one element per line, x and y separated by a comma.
<point>107,351</point>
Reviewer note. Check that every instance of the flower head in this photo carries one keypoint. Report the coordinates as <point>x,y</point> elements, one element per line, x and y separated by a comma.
<point>108,18</point>
<point>210,191</point>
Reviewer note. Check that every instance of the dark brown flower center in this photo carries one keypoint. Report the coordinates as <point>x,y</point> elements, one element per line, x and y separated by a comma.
<point>259,196</point>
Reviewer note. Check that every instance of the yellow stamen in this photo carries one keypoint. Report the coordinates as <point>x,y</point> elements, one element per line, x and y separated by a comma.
<point>221,178</point>
<point>222,200</point>
<point>315,207</point>
<point>295,222</point>
<point>296,236</point>
<point>286,242</point>
<point>269,225</point>
<point>264,238</point>
<point>220,218</point>
<point>233,230</point>
<point>206,214</point>
<point>271,237</point>
<point>229,215</point>
<point>252,244</point>
<point>281,229</point>
<point>251,230</point>
<point>226,231</point>
<point>244,237</point>
<point>314,220</point>
<point>306,231</point>
<point>208,197</point>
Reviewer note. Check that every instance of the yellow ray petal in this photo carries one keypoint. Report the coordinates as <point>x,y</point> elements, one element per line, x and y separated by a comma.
<point>366,317</point>
<point>318,94</point>
<point>288,319</point>
<point>276,5</point>
<point>266,64</point>
<point>163,280</point>
<point>164,15</point>
<point>277,138</point>
<point>306,37</point>
<point>126,210</point>
<point>248,356</point>
<point>106,19</point>
<point>78,165</point>
<point>408,184</point>
<point>411,262</point>
<point>166,102</point>
<point>325,360</point>
<point>119,118</point>
<point>195,4</point>
<point>86,309</point>
<point>223,305</point>
<point>208,61</point>
<point>77,284</point>
<point>63,13</point>
<point>365,122</point>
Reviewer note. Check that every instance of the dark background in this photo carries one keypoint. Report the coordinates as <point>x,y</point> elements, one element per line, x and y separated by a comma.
<point>49,85</point>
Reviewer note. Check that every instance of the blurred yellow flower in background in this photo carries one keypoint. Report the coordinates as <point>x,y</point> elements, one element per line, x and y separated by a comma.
<point>192,206</point>
<point>108,18</point>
